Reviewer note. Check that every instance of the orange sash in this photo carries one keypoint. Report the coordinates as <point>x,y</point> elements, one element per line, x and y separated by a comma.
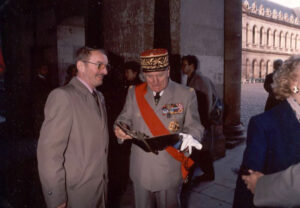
<point>157,128</point>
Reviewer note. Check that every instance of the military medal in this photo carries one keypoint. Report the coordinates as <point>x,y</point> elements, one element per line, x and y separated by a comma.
<point>170,109</point>
<point>174,126</point>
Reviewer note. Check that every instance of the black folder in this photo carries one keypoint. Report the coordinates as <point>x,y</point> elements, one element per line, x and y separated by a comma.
<point>150,144</point>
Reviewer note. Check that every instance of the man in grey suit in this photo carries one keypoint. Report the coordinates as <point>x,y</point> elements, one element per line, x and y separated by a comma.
<point>72,148</point>
<point>277,189</point>
<point>159,107</point>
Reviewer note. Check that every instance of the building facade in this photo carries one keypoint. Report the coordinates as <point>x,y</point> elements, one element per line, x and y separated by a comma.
<point>269,32</point>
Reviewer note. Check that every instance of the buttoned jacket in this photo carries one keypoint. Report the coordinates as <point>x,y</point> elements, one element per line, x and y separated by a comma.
<point>162,171</point>
<point>72,148</point>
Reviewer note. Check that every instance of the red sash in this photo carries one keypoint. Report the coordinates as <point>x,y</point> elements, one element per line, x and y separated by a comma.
<point>157,128</point>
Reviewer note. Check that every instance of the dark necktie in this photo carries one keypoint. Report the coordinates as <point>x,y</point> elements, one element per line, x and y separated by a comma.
<point>96,99</point>
<point>156,97</point>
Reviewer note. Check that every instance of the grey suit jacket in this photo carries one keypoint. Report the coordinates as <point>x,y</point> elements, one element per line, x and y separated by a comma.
<point>160,172</point>
<point>72,148</point>
<point>279,189</point>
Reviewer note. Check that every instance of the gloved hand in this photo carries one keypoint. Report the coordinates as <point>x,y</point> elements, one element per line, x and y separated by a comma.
<point>189,142</point>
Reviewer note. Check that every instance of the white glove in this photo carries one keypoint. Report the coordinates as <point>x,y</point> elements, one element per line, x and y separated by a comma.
<point>189,142</point>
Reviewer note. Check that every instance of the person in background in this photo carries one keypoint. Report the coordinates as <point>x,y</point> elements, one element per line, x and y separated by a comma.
<point>203,86</point>
<point>40,90</point>
<point>206,94</point>
<point>159,107</point>
<point>273,136</point>
<point>277,189</point>
<point>71,72</point>
<point>132,71</point>
<point>73,145</point>
<point>271,100</point>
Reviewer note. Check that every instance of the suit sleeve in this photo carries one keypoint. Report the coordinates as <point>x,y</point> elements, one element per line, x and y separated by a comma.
<point>126,113</point>
<point>254,158</point>
<point>279,189</point>
<point>52,144</point>
<point>192,124</point>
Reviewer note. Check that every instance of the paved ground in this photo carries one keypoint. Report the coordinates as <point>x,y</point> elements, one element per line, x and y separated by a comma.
<point>19,185</point>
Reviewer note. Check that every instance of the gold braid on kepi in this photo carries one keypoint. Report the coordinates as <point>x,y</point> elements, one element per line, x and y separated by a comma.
<point>154,60</point>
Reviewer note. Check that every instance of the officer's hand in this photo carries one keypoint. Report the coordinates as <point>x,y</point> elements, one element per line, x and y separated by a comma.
<point>121,134</point>
<point>189,142</point>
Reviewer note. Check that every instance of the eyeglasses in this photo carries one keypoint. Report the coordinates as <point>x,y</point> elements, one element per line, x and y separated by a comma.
<point>100,65</point>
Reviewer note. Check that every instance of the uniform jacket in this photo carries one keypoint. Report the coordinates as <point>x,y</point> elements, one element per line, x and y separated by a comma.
<point>72,148</point>
<point>273,144</point>
<point>160,172</point>
<point>281,189</point>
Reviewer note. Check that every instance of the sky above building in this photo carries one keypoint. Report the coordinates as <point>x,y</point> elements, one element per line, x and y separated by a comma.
<point>288,3</point>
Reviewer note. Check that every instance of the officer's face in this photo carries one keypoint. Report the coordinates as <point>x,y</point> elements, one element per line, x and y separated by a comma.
<point>93,70</point>
<point>157,81</point>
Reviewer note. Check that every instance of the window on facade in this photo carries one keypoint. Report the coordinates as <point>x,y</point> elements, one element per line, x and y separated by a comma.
<point>261,36</point>
<point>286,40</point>
<point>253,35</point>
<point>247,69</point>
<point>268,37</point>
<point>254,69</point>
<point>280,40</point>
<point>274,38</point>
<point>247,30</point>
<point>291,41</point>
<point>296,42</point>
<point>261,70</point>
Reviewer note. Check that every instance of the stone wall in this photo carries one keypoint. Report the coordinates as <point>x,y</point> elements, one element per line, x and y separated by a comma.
<point>202,34</point>
<point>128,27</point>
<point>70,37</point>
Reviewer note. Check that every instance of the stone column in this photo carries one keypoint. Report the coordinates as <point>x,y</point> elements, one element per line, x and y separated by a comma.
<point>233,129</point>
<point>93,24</point>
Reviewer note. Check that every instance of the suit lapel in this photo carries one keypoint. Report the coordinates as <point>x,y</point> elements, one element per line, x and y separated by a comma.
<point>289,122</point>
<point>87,95</point>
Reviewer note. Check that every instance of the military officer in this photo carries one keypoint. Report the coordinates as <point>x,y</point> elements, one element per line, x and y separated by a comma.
<point>159,107</point>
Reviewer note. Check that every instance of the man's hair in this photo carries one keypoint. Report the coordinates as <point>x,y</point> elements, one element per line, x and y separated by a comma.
<point>191,60</point>
<point>277,64</point>
<point>84,53</point>
<point>134,66</point>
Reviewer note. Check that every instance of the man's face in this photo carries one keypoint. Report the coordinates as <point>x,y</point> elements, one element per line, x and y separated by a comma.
<point>157,81</point>
<point>89,70</point>
<point>44,70</point>
<point>130,74</point>
<point>186,67</point>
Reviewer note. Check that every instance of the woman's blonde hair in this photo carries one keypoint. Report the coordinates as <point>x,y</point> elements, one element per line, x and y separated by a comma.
<point>283,78</point>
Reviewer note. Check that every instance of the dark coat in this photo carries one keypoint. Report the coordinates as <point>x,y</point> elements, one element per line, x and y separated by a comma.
<point>271,100</point>
<point>273,144</point>
<point>40,91</point>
